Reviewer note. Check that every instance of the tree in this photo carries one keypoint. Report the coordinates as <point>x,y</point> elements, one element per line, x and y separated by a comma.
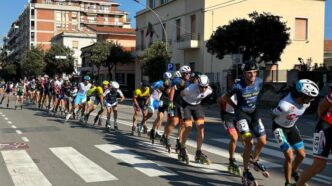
<point>9,71</point>
<point>155,59</point>
<point>116,55</point>
<point>264,36</point>
<point>99,54</point>
<point>54,65</point>
<point>33,62</point>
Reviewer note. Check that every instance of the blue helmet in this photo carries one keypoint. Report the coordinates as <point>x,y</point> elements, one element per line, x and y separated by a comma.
<point>157,85</point>
<point>87,78</point>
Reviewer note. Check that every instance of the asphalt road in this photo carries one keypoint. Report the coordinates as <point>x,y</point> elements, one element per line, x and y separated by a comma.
<point>40,149</point>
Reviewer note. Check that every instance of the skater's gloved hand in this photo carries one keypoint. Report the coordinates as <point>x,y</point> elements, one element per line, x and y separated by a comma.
<point>171,106</point>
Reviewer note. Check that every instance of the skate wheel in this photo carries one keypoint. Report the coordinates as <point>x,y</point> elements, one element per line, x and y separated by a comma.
<point>266,174</point>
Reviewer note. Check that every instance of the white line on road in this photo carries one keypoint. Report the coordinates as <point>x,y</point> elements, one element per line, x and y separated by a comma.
<point>5,118</point>
<point>9,122</point>
<point>81,165</point>
<point>140,163</point>
<point>22,169</point>
<point>13,126</point>
<point>25,139</point>
<point>18,132</point>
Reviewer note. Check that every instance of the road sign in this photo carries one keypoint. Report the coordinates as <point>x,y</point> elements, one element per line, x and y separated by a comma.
<point>170,67</point>
<point>237,59</point>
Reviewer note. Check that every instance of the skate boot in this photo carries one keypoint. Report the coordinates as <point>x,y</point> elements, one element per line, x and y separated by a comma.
<point>260,167</point>
<point>233,167</point>
<point>133,129</point>
<point>202,158</point>
<point>296,177</point>
<point>248,179</point>
<point>290,184</point>
<point>177,146</point>
<point>145,129</point>
<point>183,156</point>
<point>82,119</point>
<point>139,129</point>
<point>86,118</point>
<point>67,117</point>
<point>108,125</point>
<point>168,145</point>
<point>116,128</point>
<point>162,139</point>
<point>152,135</point>
<point>95,120</point>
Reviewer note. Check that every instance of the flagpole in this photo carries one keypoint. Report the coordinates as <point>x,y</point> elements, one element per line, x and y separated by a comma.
<point>157,15</point>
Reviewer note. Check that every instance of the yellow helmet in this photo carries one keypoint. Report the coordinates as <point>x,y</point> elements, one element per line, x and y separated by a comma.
<point>106,82</point>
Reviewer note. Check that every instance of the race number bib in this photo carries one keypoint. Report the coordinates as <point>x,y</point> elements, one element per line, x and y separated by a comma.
<point>242,126</point>
<point>318,143</point>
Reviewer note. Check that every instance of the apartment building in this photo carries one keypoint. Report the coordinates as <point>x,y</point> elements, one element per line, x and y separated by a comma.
<point>328,54</point>
<point>189,24</point>
<point>41,20</point>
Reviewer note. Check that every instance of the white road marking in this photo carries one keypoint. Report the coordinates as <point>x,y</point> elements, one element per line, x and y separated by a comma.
<point>9,122</point>
<point>25,139</point>
<point>140,163</point>
<point>18,132</point>
<point>81,165</point>
<point>13,126</point>
<point>23,170</point>
<point>5,118</point>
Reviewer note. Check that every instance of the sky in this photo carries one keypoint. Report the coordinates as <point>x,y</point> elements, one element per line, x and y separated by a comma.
<point>11,9</point>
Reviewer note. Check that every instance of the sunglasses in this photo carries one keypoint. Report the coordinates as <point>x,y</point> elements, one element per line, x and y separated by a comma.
<point>203,87</point>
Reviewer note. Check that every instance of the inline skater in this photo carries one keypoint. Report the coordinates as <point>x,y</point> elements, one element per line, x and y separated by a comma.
<point>285,131</point>
<point>62,96</point>
<point>164,89</point>
<point>192,97</point>
<point>247,120</point>
<point>174,108</point>
<point>141,100</point>
<point>111,103</point>
<point>228,120</point>
<point>80,100</point>
<point>322,142</point>
<point>98,93</point>
<point>9,88</point>
<point>19,90</point>
<point>45,88</point>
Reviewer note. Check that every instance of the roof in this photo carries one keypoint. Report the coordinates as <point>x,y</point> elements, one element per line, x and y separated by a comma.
<point>110,29</point>
<point>328,45</point>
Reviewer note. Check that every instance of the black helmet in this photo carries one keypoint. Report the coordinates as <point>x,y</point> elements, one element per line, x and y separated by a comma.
<point>249,66</point>
<point>145,83</point>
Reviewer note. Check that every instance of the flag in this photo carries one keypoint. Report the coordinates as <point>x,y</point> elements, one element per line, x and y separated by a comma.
<point>149,31</point>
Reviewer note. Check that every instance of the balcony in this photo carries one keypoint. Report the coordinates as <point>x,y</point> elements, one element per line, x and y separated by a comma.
<point>99,11</point>
<point>188,41</point>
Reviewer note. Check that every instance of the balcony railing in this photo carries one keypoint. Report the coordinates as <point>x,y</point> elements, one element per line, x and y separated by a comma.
<point>188,37</point>
<point>188,41</point>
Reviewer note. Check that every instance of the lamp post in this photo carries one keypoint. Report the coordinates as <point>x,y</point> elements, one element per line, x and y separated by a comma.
<point>158,17</point>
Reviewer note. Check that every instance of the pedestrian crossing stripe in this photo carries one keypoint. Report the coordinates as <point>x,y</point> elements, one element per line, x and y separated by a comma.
<point>140,163</point>
<point>22,169</point>
<point>81,165</point>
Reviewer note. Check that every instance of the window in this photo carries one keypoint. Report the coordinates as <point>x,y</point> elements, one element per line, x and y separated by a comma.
<point>106,18</point>
<point>74,44</point>
<point>301,29</point>
<point>152,3</point>
<point>193,24</point>
<point>178,29</point>
<point>32,36</point>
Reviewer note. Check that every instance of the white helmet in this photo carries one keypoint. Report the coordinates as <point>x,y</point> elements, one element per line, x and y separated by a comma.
<point>203,80</point>
<point>177,74</point>
<point>115,84</point>
<point>307,87</point>
<point>167,75</point>
<point>185,69</point>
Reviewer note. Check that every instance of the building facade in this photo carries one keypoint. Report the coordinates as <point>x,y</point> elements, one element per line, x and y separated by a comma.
<point>124,74</point>
<point>328,54</point>
<point>41,20</point>
<point>76,41</point>
<point>189,24</point>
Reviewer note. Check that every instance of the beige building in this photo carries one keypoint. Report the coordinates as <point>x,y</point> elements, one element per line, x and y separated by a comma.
<point>190,23</point>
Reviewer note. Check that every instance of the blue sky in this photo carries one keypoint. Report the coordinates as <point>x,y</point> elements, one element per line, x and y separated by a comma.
<point>11,9</point>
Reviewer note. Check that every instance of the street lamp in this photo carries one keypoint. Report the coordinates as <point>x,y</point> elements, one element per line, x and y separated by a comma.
<point>157,15</point>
